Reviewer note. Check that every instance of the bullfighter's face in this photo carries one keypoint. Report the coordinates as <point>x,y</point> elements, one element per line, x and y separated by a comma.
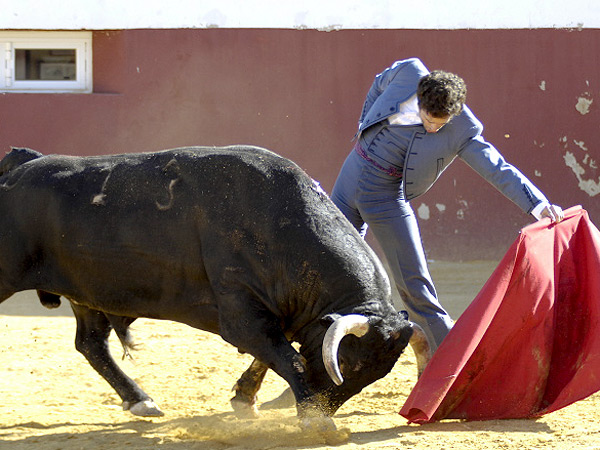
<point>433,124</point>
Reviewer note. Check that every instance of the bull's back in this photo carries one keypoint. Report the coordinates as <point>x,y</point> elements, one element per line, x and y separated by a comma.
<point>111,228</point>
<point>185,186</point>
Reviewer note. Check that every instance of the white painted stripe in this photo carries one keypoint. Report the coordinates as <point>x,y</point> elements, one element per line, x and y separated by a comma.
<point>312,14</point>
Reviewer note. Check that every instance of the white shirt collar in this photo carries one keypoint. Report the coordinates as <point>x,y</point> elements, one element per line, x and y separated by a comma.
<point>408,113</point>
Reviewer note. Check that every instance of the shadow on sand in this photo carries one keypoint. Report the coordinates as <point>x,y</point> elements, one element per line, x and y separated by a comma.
<point>226,431</point>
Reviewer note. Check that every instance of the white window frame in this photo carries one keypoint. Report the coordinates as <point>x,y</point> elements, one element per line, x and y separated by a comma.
<point>80,41</point>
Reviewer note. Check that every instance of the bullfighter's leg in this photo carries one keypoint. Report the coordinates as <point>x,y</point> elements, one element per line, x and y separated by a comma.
<point>244,401</point>
<point>93,329</point>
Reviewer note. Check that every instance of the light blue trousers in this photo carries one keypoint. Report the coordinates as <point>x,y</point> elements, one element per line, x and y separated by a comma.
<point>369,197</point>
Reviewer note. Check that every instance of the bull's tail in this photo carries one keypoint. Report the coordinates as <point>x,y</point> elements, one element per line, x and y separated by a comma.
<point>121,326</point>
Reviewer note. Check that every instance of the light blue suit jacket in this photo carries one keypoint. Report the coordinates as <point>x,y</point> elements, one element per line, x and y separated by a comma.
<point>429,154</point>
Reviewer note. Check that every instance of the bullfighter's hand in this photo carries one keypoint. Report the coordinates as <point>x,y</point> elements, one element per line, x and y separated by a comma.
<point>553,212</point>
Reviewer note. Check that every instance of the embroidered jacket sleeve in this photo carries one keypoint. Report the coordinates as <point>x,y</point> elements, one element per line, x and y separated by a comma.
<point>486,160</point>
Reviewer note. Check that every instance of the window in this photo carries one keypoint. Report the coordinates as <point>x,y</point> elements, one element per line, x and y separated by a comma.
<point>46,61</point>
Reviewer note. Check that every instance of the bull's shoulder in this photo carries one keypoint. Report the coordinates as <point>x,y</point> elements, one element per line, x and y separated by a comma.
<point>17,157</point>
<point>234,159</point>
<point>249,154</point>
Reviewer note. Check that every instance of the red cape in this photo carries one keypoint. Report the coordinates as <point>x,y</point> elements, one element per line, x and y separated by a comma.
<point>529,343</point>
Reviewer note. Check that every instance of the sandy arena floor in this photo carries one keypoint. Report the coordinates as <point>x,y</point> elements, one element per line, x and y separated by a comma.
<point>52,399</point>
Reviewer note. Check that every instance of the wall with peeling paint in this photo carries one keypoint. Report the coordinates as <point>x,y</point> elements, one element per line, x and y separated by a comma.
<point>299,93</point>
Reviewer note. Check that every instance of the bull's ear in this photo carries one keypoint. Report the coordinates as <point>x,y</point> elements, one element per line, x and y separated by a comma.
<point>328,319</point>
<point>402,334</point>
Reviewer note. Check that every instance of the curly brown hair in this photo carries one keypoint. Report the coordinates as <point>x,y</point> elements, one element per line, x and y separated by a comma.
<point>441,94</point>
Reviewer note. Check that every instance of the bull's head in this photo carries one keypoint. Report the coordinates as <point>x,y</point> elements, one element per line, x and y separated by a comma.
<point>358,350</point>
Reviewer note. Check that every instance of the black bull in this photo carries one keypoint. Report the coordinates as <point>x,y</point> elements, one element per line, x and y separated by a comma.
<point>237,241</point>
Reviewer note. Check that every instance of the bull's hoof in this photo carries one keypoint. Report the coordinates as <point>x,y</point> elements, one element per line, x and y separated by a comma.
<point>145,408</point>
<point>244,410</point>
<point>244,405</point>
<point>317,424</point>
<point>337,437</point>
<point>285,400</point>
<point>325,429</point>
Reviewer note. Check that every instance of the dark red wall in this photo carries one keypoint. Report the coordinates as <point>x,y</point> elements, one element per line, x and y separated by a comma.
<point>299,93</point>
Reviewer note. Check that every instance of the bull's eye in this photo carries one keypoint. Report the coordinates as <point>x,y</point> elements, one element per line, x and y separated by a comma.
<point>348,369</point>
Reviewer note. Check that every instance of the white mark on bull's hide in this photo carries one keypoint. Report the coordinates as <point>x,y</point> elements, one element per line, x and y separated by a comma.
<point>172,171</point>
<point>537,173</point>
<point>169,204</point>
<point>583,104</point>
<point>100,199</point>
<point>423,211</point>
<point>543,85</point>
<point>589,186</point>
<point>440,207</point>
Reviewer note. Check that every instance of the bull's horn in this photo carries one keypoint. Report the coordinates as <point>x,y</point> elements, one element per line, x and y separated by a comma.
<point>421,348</point>
<point>351,324</point>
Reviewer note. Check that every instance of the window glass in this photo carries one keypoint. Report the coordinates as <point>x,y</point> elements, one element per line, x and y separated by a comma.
<point>45,64</point>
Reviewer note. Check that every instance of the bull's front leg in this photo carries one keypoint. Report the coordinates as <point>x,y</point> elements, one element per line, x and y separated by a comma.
<point>257,331</point>
<point>93,329</point>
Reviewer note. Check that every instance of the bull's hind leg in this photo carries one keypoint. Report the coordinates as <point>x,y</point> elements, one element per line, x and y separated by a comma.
<point>93,329</point>
<point>247,387</point>
<point>244,401</point>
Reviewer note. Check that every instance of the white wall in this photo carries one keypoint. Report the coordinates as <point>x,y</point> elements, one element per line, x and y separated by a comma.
<point>314,14</point>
